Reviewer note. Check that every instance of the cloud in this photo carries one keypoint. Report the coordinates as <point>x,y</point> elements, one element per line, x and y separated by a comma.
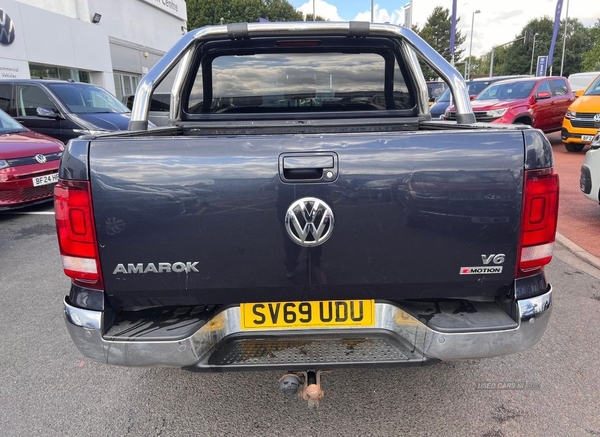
<point>382,15</point>
<point>322,8</point>
<point>498,22</point>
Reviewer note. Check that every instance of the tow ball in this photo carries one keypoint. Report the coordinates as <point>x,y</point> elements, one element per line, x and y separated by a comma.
<point>305,384</point>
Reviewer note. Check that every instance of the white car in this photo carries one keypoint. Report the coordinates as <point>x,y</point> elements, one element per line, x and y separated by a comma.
<point>590,172</point>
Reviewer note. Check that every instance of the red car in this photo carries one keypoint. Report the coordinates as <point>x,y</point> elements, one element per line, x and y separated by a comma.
<point>28,164</point>
<point>541,102</point>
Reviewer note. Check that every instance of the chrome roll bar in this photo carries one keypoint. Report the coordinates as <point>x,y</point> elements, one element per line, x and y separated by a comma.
<point>141,104</point>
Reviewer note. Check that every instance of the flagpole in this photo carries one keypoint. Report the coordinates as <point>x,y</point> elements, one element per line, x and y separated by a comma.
<point>557,15</point>
<point>453,31</point>
<point>562,58</point>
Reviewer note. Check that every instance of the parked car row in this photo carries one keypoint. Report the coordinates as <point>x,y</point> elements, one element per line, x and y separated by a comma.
<point>48,113</point>
<point>36,118</point>
<point>540,102</point>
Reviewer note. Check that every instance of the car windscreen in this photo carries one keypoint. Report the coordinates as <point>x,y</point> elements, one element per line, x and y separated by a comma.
<point>476,87</point>
<point>507,91</point>
<point>445,97</point>
<point>86,99</point>
<point>300,82</point>
<point>594,88</point>
<point>8,124</point>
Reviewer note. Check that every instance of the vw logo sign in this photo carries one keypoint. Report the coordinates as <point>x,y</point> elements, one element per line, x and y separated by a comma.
<point>309,222</point>
<point>7,29</point>
<point>40,158</point>
<point>597,118</point>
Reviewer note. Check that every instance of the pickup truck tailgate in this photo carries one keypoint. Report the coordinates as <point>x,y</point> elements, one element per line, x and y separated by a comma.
<point>202,220</point>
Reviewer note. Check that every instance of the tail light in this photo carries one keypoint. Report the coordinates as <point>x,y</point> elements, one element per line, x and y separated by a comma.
<point>76,233</point>
<point>538,223</point>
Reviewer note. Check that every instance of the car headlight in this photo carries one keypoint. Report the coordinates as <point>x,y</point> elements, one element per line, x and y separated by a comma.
<point>570,115</point>
<point>3,164</point>
<point>496,112</point>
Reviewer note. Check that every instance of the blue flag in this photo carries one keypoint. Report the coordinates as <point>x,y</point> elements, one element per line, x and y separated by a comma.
<point>555,31</point>
<point>453,28</point>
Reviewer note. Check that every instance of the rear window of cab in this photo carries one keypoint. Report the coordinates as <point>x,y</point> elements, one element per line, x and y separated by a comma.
<point>298,82</point>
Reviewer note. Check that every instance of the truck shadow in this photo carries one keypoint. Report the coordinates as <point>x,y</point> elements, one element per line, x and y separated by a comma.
<point>368,401</point>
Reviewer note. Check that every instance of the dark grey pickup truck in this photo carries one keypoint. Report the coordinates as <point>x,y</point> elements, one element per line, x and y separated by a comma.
<point>303,213</point>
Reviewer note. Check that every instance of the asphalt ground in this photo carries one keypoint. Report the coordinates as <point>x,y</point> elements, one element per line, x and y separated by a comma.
<point>48,389</point>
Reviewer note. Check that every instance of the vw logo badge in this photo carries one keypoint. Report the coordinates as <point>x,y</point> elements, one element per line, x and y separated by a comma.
<point>597,118</point>
<point>309,222</point>
<point>40,158</point>
<point>7,29</point>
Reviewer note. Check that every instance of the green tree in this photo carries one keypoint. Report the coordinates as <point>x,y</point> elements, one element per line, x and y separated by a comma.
<point>591,58</point>
<point>436,32</point>
<point>208,12</point>
<point>308,17</point>
<point>579,41</point>
<point>522,58</point>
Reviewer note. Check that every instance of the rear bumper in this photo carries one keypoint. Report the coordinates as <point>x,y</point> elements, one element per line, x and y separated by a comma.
<point>415,342</point>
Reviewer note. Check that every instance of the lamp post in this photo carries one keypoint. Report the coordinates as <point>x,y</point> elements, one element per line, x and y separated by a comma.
<point>471,44</point>
<point>533,52</point>
<point>372,10</point>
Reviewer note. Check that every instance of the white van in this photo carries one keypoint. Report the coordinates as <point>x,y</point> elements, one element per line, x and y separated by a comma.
<point>580,81</point>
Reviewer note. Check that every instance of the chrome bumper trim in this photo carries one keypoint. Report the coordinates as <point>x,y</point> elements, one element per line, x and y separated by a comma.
<point>86,327</point>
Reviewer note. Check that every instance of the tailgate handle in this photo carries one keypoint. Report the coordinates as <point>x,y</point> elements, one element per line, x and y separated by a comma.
<point>308,162</point>
<point>317,167</point>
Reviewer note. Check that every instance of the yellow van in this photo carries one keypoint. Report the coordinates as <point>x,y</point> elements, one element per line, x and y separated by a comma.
<point>582,119</point>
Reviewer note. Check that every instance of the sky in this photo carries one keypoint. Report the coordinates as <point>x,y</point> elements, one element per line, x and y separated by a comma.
<point>497,23</point>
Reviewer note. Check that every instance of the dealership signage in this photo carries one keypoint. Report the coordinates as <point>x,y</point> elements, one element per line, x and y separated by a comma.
<point>7,29</point>
<point>542,65</point>
<point>173,7</point>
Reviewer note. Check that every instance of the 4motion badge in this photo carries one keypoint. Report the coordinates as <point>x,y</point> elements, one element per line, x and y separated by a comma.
<point>486,269</point>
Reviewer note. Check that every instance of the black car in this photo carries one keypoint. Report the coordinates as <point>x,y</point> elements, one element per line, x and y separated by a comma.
<point>62,109</point>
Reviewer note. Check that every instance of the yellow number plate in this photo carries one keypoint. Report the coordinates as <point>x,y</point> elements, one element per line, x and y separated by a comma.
<point>313,314</point>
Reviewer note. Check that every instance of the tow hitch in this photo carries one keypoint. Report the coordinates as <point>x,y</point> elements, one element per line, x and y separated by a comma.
<point>305,384</point>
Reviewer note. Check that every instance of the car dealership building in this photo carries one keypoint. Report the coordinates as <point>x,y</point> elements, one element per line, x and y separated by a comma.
<point>110,43</point>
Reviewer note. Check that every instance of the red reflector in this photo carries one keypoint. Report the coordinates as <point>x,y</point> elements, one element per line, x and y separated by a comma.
<point>77,218</point>
<point>538,208</point>
<point>76,235</point>
<point>539,217</point>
